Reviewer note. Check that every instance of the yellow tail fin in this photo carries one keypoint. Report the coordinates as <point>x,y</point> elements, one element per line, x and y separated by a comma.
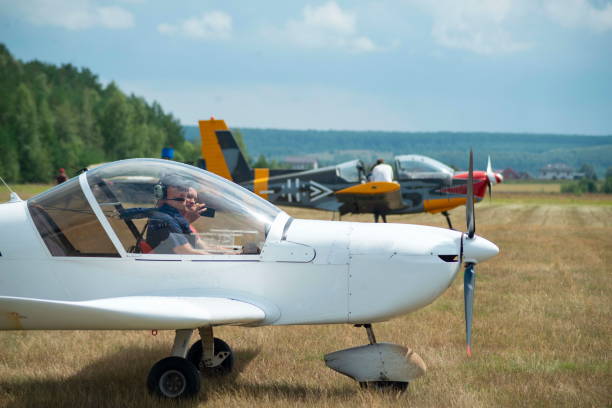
<point>211,150</point>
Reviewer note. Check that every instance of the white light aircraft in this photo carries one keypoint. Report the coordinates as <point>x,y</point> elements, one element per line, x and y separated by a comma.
<point>88,254</point>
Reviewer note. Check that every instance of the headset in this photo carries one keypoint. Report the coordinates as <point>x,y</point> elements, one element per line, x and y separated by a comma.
<point>160,191</point>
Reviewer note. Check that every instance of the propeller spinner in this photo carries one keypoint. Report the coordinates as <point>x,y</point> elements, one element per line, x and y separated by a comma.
<point>492,177</point>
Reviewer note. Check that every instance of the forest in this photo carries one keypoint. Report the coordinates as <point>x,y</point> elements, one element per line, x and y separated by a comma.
<point>52,117</point>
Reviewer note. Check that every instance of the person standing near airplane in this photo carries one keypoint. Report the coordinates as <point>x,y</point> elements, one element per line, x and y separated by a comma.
<point>62,176</point>
<point>381,172</point>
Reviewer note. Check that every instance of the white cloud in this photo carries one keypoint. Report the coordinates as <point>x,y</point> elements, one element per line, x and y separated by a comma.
<point>326,26</point>
<point>114,17</point>
<point>580,13</point>
<point>475,25</point>
<point>73,14</point>
<point>491,26</point>
<point>213,25</point>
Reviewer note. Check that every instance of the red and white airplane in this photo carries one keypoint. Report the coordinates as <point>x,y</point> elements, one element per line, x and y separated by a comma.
<point>80,256</point>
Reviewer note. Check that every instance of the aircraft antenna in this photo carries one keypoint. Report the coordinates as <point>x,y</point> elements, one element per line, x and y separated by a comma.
<point>14,196</point>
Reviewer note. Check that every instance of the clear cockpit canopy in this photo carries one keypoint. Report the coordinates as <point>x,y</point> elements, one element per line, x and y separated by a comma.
<point>138,195</point>
<point>351,171</point>
<point>414,166</point>
<point>129,191</point>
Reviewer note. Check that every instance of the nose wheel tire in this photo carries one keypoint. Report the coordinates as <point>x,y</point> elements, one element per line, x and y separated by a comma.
<point>388,386</point>
<point>174,378</point>
<point>222,352</point>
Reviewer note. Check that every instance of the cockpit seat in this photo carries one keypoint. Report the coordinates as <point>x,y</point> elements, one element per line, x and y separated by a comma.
<point>145,247</point>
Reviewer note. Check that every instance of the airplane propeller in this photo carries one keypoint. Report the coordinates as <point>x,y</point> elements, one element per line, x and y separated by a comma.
<point>469,276</point>
<point>473,249</point>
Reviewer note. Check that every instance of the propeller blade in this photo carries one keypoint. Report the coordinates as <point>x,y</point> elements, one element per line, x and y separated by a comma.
<point>490,177</point>
<point>469,282</point>
<point>469,206</point>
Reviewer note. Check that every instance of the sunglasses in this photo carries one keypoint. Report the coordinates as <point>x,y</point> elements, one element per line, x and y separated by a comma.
<point>180,199</point>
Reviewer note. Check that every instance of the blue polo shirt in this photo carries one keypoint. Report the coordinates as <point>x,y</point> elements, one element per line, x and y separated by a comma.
<point>167,229</point>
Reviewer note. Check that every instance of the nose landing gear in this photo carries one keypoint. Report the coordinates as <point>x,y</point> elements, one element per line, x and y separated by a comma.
<point>382,366</point>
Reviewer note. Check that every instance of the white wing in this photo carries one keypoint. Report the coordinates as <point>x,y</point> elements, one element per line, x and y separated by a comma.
<point>125,313</point>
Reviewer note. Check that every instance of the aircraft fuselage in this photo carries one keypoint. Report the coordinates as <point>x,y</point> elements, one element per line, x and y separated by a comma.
<point>348,272</point>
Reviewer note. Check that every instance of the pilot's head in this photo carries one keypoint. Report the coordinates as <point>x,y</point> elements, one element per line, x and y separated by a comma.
<point>380,161</point>
<point>172,191</point>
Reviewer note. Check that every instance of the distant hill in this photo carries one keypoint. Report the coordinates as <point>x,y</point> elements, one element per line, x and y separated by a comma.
<point>523,152</point>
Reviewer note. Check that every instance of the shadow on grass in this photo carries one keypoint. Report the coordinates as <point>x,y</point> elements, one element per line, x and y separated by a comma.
<point>277,390</point>
<point>120,380</point>
<point>115,380</point>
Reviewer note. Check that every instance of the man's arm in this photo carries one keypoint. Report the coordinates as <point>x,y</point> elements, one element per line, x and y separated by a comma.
<point>187,249</point>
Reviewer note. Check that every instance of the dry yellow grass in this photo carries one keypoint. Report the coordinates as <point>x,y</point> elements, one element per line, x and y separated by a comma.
<point>542,334</point>
<point>528,188</point>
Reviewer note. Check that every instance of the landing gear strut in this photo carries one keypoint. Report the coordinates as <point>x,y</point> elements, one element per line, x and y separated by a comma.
<point>212,356</point>
<point>178,376</point>
<point>447,215</point>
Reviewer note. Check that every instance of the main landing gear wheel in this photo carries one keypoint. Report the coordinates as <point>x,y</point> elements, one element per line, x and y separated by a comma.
<point>223,357</point>
<point>174,378</point>
<point>389,386</point>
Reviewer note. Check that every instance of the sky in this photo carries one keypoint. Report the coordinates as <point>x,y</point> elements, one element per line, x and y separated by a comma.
<point>536,66</point>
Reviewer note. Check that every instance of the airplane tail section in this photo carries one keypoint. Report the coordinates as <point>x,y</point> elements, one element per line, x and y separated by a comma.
<point>236,163</point>
<point>221,152</point>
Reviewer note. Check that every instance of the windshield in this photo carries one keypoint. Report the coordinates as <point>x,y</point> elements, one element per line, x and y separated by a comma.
<point>349,171</point>
<point>415,166</point>
<point>67,224</point>
<point>163,207</point>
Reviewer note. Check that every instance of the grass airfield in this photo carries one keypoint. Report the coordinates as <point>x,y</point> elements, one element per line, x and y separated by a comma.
<point>542,330</point>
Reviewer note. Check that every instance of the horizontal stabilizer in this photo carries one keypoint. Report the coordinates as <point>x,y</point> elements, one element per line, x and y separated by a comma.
<point>125,313</point>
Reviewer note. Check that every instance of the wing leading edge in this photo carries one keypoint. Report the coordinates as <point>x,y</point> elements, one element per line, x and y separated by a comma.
<point>125,313</point>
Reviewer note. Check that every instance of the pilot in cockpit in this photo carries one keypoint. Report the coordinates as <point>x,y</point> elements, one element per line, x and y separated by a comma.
<point>169,229</point>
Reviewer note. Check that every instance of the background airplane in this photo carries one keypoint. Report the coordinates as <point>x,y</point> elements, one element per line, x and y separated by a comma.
<point>423,184</point>
<point>70,259</point>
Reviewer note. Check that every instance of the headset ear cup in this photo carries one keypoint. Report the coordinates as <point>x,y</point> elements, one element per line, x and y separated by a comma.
<point>159,191</point>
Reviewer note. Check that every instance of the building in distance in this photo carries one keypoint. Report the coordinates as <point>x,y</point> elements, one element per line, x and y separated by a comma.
<point>559,171</point>
<point>301,162</point>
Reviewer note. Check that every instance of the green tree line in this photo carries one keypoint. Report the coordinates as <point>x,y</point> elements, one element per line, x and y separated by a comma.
<point>589,183</point>
<point>522,152</point>
<point>52,117</point>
